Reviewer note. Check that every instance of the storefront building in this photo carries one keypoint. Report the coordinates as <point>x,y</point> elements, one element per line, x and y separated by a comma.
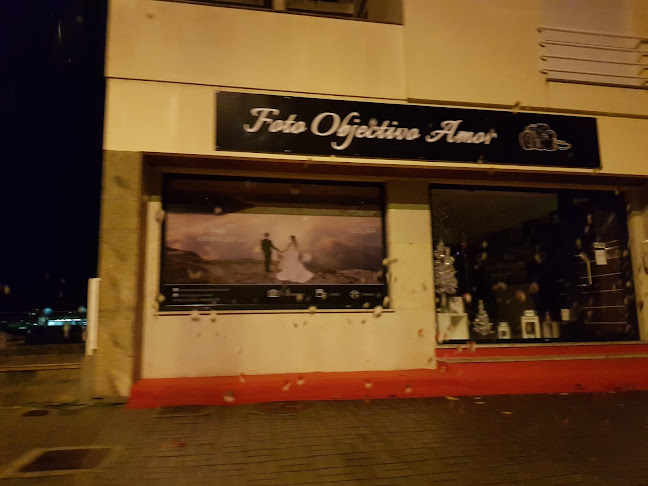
<point>413,204</point>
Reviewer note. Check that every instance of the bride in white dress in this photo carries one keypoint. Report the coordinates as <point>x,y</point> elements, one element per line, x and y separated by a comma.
<point>292,269</point>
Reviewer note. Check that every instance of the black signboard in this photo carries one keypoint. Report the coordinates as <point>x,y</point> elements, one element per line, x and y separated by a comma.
<point>309,126</point>
<point>179,297</point>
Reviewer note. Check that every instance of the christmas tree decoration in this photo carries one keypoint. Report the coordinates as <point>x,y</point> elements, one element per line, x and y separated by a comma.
<point>439,251</point>
<point>445,280</point>
<point>482,324</point>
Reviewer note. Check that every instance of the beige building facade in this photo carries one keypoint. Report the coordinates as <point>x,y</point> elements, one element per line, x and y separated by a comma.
<point>166,61</point>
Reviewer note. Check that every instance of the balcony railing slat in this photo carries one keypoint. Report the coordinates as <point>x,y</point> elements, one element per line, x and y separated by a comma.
<point>570,56</point>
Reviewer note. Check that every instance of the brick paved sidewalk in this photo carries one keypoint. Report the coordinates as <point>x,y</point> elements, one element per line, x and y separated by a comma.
<point>535,439</point>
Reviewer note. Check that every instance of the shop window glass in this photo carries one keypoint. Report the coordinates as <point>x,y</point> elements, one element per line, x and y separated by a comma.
<point>521,266</point>
<point>383,11</point>
<point>264,4</point>
<point>231,243</point>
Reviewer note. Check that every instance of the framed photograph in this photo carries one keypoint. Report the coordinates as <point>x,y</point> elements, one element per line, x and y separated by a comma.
<point>530,327</point>
<point>266,243</point>
<point>456,305</point>
<point>503,330</point>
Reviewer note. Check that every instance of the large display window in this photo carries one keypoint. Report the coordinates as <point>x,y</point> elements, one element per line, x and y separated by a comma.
<point>522,265</point>
<point>235,243</point>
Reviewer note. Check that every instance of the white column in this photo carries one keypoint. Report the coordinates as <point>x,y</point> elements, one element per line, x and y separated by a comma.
<point>92,326</point>
<point>409,245</point>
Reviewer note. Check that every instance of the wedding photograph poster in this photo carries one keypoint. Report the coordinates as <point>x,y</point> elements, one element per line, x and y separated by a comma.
<point>268,243</point>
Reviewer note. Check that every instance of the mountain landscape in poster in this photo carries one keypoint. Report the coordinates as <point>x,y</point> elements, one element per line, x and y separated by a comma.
<point>226,248</point>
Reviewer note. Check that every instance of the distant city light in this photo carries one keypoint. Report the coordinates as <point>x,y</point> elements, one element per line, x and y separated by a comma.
<point>61,322</point>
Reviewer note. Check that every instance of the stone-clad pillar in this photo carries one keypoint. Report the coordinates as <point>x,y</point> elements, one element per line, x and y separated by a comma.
<point>638,233</point>
<point>119,267</point>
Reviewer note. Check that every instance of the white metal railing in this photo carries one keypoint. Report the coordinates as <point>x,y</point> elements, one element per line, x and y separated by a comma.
<point>92,327</point>
<point>593,57</point>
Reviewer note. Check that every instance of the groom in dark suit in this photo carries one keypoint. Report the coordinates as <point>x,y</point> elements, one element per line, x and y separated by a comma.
<point>267,246</point>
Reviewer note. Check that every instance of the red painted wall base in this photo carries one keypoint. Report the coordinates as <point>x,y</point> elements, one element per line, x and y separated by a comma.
<point>490,378</point>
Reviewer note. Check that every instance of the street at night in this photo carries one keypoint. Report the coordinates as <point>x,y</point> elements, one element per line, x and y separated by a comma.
<point>561,439</point>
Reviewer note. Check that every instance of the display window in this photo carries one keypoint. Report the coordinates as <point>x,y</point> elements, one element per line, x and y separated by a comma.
<point>526,265</point>
<point>238,243</point>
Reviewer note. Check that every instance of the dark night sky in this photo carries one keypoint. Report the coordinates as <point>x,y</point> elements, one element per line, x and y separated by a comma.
<point>51,98</point>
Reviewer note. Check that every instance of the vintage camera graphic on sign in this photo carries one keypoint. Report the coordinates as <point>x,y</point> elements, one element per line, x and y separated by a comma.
<point>539,136</point>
